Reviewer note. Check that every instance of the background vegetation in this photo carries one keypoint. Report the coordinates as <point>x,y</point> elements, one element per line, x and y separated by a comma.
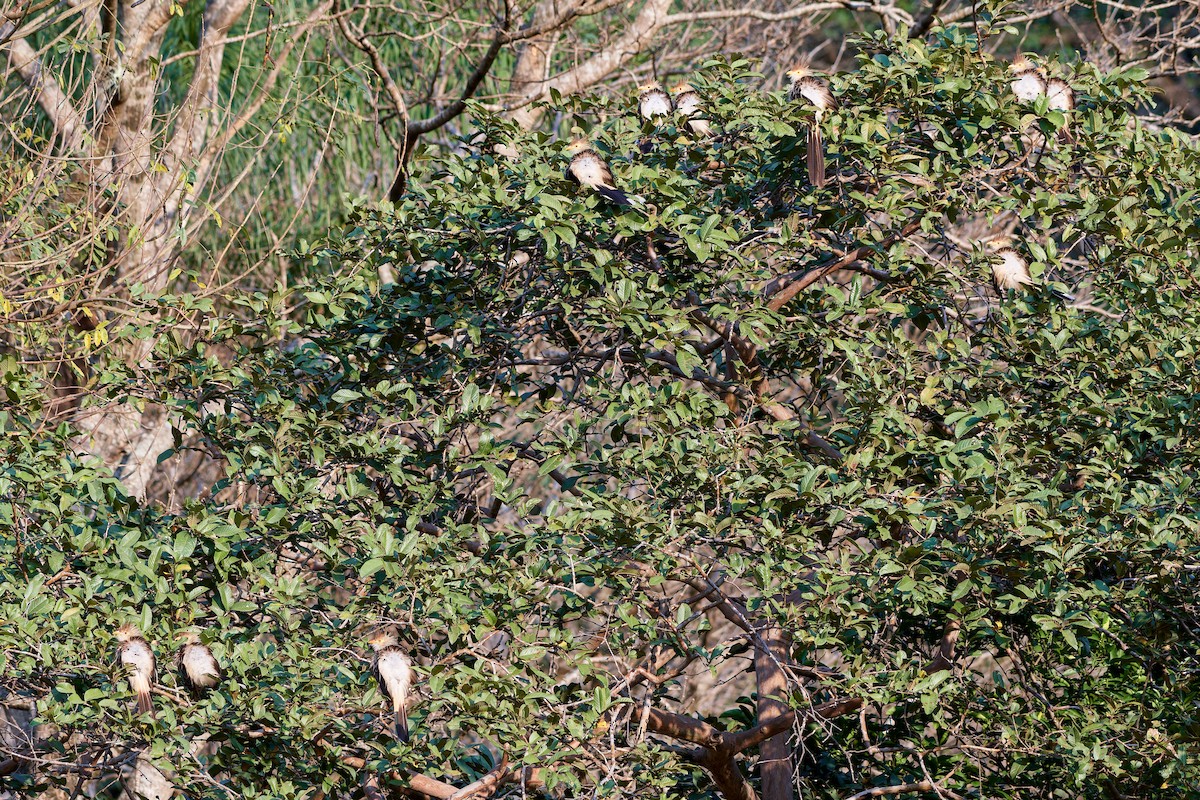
<point>749,489</point>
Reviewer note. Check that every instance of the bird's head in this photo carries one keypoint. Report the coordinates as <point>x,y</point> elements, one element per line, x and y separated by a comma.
<point>681,88</point>
<point>996,245</point>
<point>652,86</point>
<point>1022,64</point>
<point>188,636</point>
<point>578,146</point>
<point>126,632</point>
<point>799,72</point>
<point>384,637</point>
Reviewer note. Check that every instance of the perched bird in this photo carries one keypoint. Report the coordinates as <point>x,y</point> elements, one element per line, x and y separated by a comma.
<point>1028,83</point>
<point>1010,270</point>
<point>135,655</point>
<point>588,169</point>
<point>689,103</point>
<point>803,85</point>
<point>1061,97</point>
<point>653,101</point>
<point>393,669</point>
<point>198,669</point>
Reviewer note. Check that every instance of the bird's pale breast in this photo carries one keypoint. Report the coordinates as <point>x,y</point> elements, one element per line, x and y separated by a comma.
<point>1028,86</point>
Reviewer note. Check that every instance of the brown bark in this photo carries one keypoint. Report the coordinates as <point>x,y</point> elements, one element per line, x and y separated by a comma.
<point>775,763</point>
<point>716,751</point>
<point>943,659</point>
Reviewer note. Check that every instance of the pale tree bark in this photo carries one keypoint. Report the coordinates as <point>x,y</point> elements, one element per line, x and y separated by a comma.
<point>146,782</point>
<point>533,60</point>
<point>124,436</point>
<point>533,77</point>
<point>636,38</point>
<point>49,95</point>
<point>153,199</point>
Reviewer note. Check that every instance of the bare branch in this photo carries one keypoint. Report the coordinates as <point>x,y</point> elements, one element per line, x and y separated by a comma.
<point>885,791</point>
<point>49,95</point>
<point>487,785</point>
<point>636,38</point>
<point>481,70</point>
<point>201,101</point>
<point>925,22</point>
<point>794,13</point>
<point>248,113</point>
<point>784,288</point>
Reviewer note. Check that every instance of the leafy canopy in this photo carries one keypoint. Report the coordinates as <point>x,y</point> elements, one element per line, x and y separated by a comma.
<point>565,431</point>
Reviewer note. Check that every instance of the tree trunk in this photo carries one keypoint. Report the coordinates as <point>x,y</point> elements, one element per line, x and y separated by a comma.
<point>151,188</point>
<point>775,754</point>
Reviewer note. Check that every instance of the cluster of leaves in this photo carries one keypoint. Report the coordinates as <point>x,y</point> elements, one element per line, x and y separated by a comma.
<point>555,441</point>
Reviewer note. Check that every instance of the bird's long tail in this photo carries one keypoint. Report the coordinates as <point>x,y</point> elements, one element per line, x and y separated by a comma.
<point>400,723</point>
<point>614,195</point>
<point>816,156</point>
<point>144,703</point>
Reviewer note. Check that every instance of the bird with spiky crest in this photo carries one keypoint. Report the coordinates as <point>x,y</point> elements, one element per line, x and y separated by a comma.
<point>198,669</point>
<point>393,669</point>
<point>1010,269</point>
<point>137,657</point>
<point>1028,83</point>
<point>653,102</point>
<point>589,170</point>
<point>689,103</point>
<point>804,86</point>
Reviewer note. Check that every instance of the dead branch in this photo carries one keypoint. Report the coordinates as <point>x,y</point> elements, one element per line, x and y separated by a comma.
<point>885,791</point>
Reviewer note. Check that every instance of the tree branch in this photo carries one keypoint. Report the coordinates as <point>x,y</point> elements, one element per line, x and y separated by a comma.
<point>715,750</point>
<point>362,42</point>
<point>199,106</point>
<point>884,791</point>
<point>49,95</point>
<point>782,289</point>
<point>679,726</point>
<point>451,111</point>
<point>414,129</point>
<point>927,19</point>
<point>771,648</point>
<point>281,59</point>
<point>744,740</point>
<point>634,40</point>
<point>794,13</point>
<point>487,785</point>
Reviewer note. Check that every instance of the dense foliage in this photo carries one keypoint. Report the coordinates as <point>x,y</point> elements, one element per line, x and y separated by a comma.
<point>581,454</point>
